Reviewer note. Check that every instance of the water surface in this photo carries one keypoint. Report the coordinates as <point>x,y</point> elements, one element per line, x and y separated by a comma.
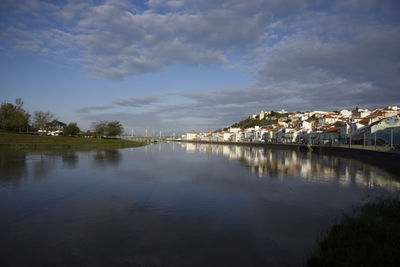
<point>176,205</point>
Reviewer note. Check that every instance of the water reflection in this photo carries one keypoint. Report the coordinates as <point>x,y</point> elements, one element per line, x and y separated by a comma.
<point>286,164</point>
<point>69,159</point>
<point>107,157</point>
<point>12,167</point>
<point>17,165</point>
<point>42,164</point>
<point>160,206</point>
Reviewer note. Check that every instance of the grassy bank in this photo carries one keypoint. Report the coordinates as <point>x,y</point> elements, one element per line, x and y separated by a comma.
<point>24,142</point>
<point>371,237</point>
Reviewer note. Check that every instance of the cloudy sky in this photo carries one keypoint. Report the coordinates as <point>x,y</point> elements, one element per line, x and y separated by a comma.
<point>185,64</point>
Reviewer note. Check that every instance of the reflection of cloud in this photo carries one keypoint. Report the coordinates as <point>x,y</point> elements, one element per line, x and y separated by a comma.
<point>315,168</point>
<point>145,234</point>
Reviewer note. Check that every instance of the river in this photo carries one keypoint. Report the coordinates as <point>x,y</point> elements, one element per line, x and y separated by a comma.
<point>173,204</point>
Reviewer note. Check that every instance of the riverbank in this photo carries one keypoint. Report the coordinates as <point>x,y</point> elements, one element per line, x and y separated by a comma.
<point>23,142</point>
<point>387,160</point>
<point>368,238</point>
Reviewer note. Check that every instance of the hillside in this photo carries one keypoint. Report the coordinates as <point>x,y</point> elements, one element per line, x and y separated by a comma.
<point>270,119</point>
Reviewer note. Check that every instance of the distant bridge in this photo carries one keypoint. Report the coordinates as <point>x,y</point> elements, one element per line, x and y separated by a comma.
<point>148,139</point>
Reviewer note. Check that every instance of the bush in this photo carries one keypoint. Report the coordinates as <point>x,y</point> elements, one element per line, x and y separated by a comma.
<point>71,129</point>
<point>371,238</point>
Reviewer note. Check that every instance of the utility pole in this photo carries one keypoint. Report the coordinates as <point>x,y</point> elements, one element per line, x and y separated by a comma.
<point>350,137</point>
<point>391,137</point>
<point>375,141</point>
<point>364,140</point>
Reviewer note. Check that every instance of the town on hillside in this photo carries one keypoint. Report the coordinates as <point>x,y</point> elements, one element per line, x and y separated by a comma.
<point>378,127</point>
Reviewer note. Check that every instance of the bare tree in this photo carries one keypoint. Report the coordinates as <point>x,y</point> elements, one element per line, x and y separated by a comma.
<point>42,119</point>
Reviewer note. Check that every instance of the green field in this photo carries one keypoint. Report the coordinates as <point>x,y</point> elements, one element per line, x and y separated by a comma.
<point>23,142</point>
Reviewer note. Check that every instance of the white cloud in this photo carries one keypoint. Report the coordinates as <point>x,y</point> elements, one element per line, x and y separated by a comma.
<point>303,54</point>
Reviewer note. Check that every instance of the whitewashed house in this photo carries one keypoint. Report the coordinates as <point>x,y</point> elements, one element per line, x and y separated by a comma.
<point>249,134</point>
<point>266,135</point>
<point>290,134</point>
<point>387,131</point>
<point>239,136</point>
<point>361,113</point>
<point>234,130</point>
<point>331,136</point>
<point>191,136</point>
<point>305,125</point>
<point>227,136</point>
<point>345,132</point>
<point>345,113</point>
<point>218,137</point>
<point>328,119</point>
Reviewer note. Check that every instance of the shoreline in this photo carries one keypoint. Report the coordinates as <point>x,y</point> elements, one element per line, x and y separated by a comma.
<point>387,160</point>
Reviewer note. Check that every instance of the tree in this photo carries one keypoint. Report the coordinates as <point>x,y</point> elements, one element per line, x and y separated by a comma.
<point>99,128</point>
<point>71,129</point>
<point>106,128</point>
<point>114,128</point>
<point>42,119</point>
<point>13,117</point>
<point>55,125</point>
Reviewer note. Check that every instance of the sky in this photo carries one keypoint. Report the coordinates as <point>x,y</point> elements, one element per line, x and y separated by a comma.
<point>181,65</point>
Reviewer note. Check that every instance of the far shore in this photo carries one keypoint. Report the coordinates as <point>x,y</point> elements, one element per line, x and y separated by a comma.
<point>24,142</point>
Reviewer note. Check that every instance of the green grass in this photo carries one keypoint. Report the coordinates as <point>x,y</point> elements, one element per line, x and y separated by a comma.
<point>23,142</point>
<point>371,237</point>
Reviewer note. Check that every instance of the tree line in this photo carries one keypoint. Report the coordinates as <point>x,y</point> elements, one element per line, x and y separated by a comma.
<point>14,118</point>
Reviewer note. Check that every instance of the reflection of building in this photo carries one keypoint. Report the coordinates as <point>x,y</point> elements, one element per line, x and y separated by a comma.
<point>190,147</point>
<point>286,164</point>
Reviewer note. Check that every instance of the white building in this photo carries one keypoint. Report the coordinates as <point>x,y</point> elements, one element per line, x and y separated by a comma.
<point>346,113</point>
<point>228,136</point>
<point>361,113</point>
<point>239,136</point>
<point>328,119</point>
<point>234,130</point>
<point>191,136</point>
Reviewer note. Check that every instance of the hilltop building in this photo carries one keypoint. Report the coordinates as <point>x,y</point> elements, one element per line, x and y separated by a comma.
<point>380,126</point>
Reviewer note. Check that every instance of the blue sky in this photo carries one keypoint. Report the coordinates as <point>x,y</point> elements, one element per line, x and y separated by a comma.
<point>182,65</point>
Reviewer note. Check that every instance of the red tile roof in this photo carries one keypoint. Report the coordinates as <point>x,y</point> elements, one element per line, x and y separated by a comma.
<point>332,130</point>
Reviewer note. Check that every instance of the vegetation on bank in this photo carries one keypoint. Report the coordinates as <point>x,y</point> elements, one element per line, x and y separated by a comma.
<point>371,237</point>
<point>15,119</point>
<point>268,120</point>
<point>15,141</point>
